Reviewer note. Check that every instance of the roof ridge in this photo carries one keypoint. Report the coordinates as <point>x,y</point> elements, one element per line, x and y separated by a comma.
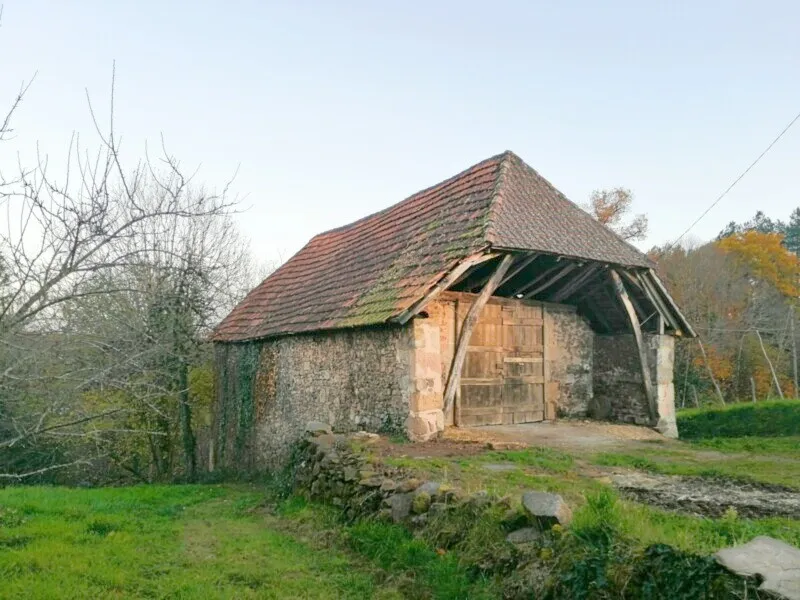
<point>497,194</point>
<point>418,193</point>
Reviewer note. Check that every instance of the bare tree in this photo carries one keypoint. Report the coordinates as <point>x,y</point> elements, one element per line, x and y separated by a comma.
<point>112,237</point>
<point>612,208</point>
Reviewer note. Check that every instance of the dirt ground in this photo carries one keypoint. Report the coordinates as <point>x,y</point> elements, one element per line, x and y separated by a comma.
<point>563,435</point>
<point>569,436</point>
<point>700,496</point>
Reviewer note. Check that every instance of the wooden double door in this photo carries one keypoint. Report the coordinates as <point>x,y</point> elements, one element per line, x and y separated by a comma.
<point>504,379</point>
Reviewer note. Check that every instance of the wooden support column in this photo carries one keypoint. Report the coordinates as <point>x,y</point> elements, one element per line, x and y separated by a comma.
<point>622,294</point>
<point>466,332</point>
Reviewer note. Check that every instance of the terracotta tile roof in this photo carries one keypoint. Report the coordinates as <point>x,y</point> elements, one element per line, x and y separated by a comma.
<point>369,271</point>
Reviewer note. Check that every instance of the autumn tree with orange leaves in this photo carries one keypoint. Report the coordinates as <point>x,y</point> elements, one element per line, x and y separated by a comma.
<point>746,281</point>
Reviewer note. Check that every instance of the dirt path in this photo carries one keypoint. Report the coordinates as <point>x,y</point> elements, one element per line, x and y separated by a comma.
<point>706,495</point>
<point>578,436</point>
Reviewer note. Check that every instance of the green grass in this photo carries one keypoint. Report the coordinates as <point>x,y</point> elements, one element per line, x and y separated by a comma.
<point>163,542</point>
<point>788,447</point>
<point>746,468</point>
<point>777,418</point>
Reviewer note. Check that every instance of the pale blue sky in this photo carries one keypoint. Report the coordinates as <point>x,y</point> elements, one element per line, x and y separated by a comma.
<point>337,109</point>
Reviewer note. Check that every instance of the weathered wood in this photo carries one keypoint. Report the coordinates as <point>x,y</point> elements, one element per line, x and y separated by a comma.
<point>466,331</point>
<point>622,294</point>
<point>572,286</point>
<point>544,274</point>
<point>448,280</point>
<point>516,270</point>
<point>686,327</point>
<point>549,282</point>
<point>710,373</point>
<point>524,262</point>
<point>769,362</point>
<point>655,299</point>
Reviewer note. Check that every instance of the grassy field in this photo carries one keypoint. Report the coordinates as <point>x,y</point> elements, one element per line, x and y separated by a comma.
<point>225,541</point>
<point>165,542</point>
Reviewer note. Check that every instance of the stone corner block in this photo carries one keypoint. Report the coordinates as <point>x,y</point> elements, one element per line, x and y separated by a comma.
<point>422,426</point>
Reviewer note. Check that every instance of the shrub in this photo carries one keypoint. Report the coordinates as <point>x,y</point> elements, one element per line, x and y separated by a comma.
<point>778,418</point>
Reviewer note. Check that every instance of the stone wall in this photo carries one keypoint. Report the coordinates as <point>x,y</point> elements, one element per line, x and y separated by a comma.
<point>354,379</point>
<point>569,352</point>
<point>618,386</point>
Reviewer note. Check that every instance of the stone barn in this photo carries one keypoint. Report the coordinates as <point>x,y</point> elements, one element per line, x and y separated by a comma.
<point>489,298</point>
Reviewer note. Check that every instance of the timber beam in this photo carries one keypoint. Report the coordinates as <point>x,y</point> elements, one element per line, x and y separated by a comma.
<point>622,294</point>
<point>450,279</point>
<point>467,327</point>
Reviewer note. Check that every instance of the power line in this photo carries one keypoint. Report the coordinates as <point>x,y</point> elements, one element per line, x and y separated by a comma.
<point>737,180</point>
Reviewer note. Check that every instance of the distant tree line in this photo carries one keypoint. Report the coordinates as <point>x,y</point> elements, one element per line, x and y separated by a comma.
<point>740,291</point>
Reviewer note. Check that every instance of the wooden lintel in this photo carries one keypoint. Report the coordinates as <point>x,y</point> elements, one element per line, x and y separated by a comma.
<point>447,281</point>
<point>466,333</point>
<point>549,282</point>
<point>572,286</point>
<point>622,294</point>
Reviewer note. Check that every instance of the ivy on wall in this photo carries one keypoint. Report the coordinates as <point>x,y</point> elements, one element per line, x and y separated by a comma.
<point>237,367</point>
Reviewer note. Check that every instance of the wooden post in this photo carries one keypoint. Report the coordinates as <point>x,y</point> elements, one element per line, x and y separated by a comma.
<point>769,362</point>
<point>710,373</point>
<point>466,332</point>
<point>753,389</point>
<point>637,333</point>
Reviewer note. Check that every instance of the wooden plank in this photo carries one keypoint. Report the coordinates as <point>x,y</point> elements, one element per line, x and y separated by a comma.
<point>522,379</point>
<point>687,327</point>
<point>637,333</point>
<point>540,277</point>
<point>652,295</point>
<point>572,286</point>
<point>523,359</point>
<point>470,320</point>
<point>448,280</point>
<point>547,398</point>
<point>546,284</point>
<point>515,271</point>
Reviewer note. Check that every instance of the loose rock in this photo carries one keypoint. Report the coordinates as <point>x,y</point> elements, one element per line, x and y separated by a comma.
<point>524,536</point>
<point>421,503</point>
<point>400,505</point>
<point>409,485</point>
<point>317,428</point>
<point>547,509</point>
<point>776,562</point>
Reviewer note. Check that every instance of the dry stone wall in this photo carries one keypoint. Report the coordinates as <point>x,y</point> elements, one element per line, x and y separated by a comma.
<point>336,469</point>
